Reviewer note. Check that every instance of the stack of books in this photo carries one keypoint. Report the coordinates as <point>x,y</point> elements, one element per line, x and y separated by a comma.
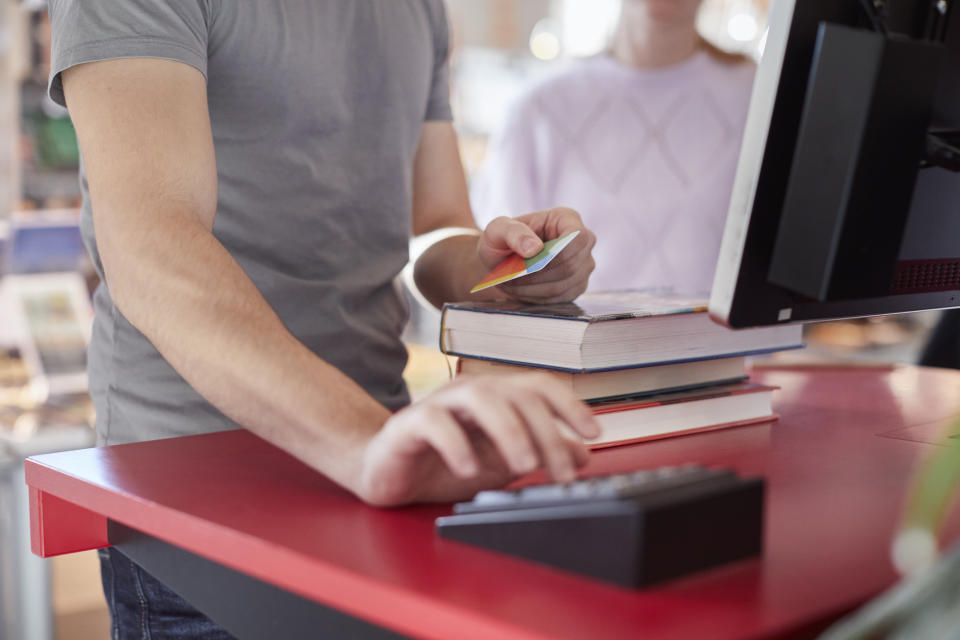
<point>651,366</point>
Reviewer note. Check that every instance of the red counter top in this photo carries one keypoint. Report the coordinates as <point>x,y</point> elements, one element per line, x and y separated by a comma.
<point>837,463</point>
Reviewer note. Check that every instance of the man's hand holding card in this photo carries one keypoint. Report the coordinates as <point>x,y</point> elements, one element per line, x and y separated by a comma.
<point>542,257</point>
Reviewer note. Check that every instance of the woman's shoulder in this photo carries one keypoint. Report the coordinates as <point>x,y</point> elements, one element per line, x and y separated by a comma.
<point>566,91</point>
<point>574,76</point>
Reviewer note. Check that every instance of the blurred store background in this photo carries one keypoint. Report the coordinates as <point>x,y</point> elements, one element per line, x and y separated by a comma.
<point>500,47</point>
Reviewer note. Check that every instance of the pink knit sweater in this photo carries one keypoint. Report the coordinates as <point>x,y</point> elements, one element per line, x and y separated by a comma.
<point>646,156</point>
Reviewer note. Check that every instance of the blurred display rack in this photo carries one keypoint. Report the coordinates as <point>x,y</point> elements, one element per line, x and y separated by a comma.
<point>28,428</point>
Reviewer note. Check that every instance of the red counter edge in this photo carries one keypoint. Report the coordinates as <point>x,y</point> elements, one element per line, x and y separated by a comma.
<point>59,525</point>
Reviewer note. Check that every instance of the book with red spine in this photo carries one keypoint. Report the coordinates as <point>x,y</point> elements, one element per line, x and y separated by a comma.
<point>684,412</point>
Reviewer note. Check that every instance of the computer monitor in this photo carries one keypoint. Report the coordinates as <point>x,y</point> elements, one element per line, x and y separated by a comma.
<point>846,200</point>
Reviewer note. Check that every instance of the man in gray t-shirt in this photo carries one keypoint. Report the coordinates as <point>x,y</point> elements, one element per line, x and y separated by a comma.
<point>252,174</point>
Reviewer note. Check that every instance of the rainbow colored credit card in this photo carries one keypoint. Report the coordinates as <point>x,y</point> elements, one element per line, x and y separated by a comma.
<point>516,266</point>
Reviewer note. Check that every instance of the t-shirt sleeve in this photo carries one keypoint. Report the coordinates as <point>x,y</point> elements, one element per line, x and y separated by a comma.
<point>93,30</point>
<point>438,102</point>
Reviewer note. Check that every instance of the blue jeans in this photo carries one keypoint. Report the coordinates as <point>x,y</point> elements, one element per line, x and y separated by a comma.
<point>142,608</point>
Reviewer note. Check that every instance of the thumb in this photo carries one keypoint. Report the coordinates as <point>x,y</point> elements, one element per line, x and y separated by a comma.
<point>505,235</point>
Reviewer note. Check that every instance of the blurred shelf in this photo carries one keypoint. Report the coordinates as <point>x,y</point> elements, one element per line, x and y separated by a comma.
<point>42,185</point>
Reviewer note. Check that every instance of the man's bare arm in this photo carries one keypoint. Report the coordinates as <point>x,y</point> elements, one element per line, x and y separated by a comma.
<point>144,132</point>
<point>146,141</point>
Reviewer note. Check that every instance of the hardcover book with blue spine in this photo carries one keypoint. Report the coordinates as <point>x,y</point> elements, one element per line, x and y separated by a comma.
<point>602,331</point>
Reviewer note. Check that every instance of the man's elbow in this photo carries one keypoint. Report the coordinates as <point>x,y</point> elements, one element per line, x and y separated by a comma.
<point>120,274</point>
<point>134,262</point>
<point>424,278</point>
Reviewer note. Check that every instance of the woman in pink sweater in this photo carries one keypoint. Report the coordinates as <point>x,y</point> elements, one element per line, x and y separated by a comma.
<point>643,141</point>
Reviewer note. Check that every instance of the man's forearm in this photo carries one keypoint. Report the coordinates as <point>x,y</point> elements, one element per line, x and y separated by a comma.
<point>179,286</point>
<point>449,269</point>
<point>144,130</point>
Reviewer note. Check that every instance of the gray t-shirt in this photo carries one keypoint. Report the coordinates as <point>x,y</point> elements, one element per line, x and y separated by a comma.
<point>316,108</point>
